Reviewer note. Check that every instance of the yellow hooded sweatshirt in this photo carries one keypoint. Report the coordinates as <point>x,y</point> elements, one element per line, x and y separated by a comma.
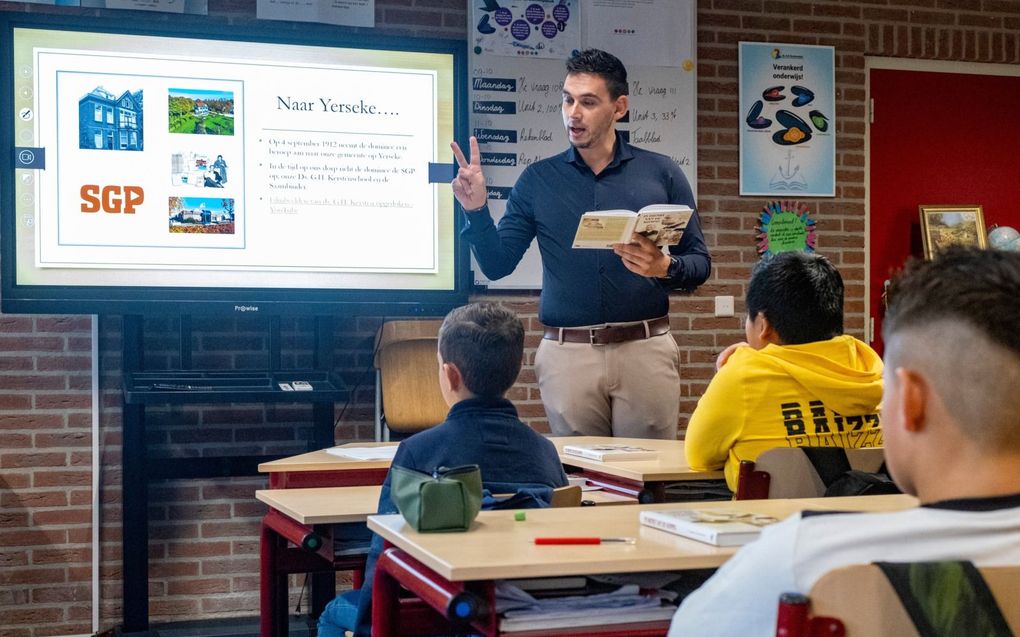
<point>825,393</point>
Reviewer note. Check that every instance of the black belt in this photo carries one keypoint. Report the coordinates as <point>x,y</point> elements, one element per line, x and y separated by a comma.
<point>610,333</point>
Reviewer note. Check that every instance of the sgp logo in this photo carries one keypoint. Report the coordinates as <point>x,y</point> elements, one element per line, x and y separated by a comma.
<point>112,199</point>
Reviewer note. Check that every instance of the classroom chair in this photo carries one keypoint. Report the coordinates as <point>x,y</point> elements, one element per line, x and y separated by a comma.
<point>407,396</point>
<point>508,496</point>
<point>923,599</point>
<point>786,472</point>
<point>568,496</point>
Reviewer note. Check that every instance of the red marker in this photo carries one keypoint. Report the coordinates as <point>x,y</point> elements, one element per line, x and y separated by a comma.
<point>583,540</point>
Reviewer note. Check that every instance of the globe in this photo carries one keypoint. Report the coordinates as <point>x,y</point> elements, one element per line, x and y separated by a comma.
<point>1004,238</point>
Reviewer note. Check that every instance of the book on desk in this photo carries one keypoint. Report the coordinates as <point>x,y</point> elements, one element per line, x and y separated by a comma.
<point>719,527</point>
<point>610,451</point>
<point>378,452</point>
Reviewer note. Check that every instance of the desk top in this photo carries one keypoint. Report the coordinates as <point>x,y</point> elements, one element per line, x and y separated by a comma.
<point>333,505</point>
<point>322,461</point>
<point>498,547</point>
<point>325,505</point>
<point>670,465</point>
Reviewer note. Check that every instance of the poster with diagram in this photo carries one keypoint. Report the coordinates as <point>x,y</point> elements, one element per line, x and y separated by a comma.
<point>787,120</point>
<point>528,28</point>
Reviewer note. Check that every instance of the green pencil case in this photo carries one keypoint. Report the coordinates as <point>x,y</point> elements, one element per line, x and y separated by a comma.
<point>444,501</point>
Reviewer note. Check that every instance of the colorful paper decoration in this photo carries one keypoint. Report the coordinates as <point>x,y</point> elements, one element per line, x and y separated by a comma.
<point>785,226</point>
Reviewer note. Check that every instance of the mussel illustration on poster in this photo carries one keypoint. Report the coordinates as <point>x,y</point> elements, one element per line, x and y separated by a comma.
<point>787,119</point>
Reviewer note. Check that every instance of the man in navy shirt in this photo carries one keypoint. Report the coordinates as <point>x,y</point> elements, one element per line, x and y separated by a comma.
<point>608,364</point>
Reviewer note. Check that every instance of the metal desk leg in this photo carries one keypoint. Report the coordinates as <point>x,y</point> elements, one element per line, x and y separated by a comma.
<point>459,607</point>
<point>272,585</point>
<point>277,530</point>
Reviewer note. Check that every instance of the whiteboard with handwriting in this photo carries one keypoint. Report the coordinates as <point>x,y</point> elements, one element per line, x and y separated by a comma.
<point>515,114</point>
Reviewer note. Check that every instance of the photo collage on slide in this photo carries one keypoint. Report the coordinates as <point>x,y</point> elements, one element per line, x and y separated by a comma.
<point>198,166</point>
<point>201,149</point>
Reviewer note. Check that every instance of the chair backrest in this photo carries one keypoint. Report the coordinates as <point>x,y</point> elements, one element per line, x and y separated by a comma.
<point>791,474</point>
<point>408,381</point>
<point>502,496</point>
<point>568,496</point>
<point>861,600</point>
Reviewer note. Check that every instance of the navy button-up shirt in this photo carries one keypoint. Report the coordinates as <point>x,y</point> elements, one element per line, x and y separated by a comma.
<point>588,287</point>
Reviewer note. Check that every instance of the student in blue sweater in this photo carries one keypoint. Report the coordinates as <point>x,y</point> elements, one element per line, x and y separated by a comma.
<point>480,351</point>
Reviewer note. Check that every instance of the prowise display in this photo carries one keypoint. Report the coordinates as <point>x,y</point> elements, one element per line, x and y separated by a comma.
<point>154,170</point>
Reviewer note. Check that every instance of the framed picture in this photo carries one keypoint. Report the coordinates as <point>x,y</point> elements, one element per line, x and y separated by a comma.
<point>943,226</point>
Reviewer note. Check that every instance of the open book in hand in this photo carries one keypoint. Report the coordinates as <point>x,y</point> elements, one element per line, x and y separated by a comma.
<point>663,224</point>
<point>721,527</point>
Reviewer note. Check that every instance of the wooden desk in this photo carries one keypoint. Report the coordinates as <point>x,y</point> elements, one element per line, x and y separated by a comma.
<point>334,505</point>
<point>447,569</point>
<point>322,469</point>
<point>642,479</point>
<point>297,537</point>
<point>315,469</point>
<point>323,505</point>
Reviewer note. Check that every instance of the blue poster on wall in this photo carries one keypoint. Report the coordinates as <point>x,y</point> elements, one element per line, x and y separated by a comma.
<point>787,120</point>
<point>525,28</point>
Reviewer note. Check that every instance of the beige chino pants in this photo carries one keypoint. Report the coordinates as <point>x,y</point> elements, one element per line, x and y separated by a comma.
<point>629,390</point>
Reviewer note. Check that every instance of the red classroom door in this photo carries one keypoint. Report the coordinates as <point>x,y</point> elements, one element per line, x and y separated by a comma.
<point>937,138</point>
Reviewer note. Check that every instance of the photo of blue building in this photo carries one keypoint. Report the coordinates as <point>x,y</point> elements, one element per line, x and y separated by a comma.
<point>201,215</point>
<point>108,122</point>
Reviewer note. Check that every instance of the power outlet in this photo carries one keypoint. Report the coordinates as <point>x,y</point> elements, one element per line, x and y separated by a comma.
<point>724,306</point>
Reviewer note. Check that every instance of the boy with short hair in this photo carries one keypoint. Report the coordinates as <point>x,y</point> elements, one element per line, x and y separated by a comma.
<point>951,415</point>
<point>481,347</point>
<point>797,381</point>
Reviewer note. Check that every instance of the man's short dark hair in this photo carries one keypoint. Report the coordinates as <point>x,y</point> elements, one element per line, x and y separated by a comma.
<point>800,294</point>
<point>956,320</point>
<point>486,343</point>
<point>979,288</point>
<point>605,65</point>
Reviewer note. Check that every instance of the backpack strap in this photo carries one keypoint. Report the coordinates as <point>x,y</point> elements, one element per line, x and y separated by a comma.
<point>944,599</point>
<point>829,462</point>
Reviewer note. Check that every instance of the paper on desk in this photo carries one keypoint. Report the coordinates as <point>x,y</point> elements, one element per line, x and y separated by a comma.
<point>364,453</point>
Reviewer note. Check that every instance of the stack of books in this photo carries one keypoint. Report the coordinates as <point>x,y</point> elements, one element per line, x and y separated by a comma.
<point>522,612</point>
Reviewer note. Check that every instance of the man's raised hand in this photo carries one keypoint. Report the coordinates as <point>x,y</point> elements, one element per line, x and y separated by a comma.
<point>469,184</point>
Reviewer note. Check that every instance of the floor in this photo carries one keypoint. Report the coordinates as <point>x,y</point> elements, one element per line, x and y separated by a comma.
<point>234,627</point>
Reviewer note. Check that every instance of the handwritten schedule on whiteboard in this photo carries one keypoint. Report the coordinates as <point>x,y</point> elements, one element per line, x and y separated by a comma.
<point>515,114</point>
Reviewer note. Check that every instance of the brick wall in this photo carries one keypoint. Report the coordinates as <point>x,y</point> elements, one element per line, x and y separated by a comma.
<point>204,532</point>
<point>45,476</point>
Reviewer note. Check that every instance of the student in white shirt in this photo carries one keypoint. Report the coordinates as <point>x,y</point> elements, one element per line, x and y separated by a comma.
<point>951,417</point>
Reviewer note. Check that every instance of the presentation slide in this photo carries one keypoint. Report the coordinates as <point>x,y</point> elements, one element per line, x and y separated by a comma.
<point>194,162</point>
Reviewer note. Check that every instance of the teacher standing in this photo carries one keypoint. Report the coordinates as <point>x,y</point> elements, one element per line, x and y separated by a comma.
<point>608,364</point>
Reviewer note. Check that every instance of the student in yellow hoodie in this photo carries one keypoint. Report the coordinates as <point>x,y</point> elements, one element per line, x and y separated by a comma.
<point>797,381</point>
